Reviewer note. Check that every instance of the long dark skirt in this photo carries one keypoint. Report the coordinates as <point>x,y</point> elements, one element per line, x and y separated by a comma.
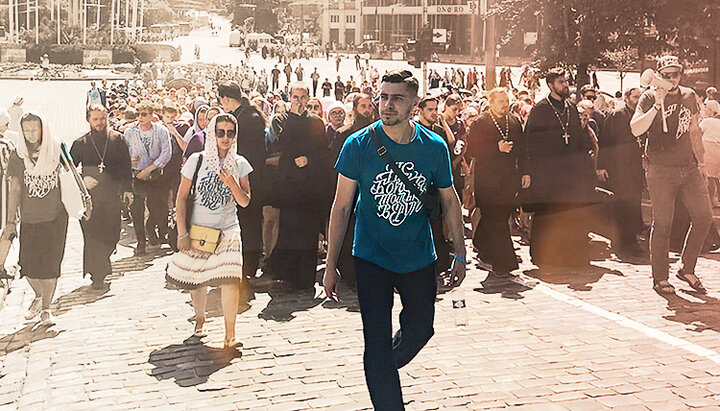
<point>100,234</point>
<point>42,247</point>
<point>294,258</point>
<point>492,237</point>
<point>560,234</point>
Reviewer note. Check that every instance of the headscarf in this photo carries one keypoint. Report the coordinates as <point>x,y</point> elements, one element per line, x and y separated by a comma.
<point>49,158</point>
<point>211,157</point>
<point>332,107</point>
<point>196,125</point>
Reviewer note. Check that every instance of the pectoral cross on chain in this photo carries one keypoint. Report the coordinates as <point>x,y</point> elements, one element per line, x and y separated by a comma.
<point>101,166</point>
<point>566,137</point>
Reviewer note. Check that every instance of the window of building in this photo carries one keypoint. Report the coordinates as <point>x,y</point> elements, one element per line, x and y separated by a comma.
<point>334,18</point>
<point>350,18</point>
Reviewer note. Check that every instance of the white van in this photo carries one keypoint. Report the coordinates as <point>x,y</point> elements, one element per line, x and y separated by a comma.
<point>263,40</point>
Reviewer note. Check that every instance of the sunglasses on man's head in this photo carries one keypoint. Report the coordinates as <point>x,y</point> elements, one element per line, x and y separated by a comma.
<point>224,133</point>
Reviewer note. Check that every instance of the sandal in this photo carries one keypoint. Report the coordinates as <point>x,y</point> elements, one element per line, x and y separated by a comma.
<point>232,344</point>
<point>692,280</point>
<point>199,332</point>
<point>663,287</point>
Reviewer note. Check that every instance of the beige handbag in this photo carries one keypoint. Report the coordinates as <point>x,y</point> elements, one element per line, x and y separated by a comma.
<point>204,239</point>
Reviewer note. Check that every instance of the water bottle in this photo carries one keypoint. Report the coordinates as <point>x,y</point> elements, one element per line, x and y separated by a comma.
<point>459,145</point>
<point>460,314</point>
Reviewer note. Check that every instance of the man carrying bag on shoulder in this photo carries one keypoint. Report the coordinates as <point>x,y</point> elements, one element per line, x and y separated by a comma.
<point>393,245</point>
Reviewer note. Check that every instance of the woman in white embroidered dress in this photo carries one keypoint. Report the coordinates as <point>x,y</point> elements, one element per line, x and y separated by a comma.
<point>221,183</point>
<point>35,189</point>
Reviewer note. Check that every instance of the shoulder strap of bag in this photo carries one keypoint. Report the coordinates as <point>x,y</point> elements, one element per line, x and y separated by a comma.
<point>390,161</point>
<point>195,175</point>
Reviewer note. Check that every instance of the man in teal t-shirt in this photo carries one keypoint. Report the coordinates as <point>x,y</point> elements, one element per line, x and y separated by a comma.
<point>393,245</point>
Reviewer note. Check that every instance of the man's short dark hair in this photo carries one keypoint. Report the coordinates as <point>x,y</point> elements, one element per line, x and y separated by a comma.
<point>425,101</point>
<point>402,76</point>
<point>95,107</point>
<point>629,90</point>
<point>553,74</point>
<point>587,88</point>
<point>231,90</point>
<point>359,96</point>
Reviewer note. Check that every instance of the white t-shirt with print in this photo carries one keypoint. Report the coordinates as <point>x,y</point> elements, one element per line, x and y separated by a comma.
<point>214,205</point>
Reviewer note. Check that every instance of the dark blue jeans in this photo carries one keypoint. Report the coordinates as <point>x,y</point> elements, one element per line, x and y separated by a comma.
<point>665,184</point>
<point>384,354</point>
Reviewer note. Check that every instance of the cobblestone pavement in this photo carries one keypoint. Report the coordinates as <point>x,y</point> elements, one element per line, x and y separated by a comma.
<point>591,339</point>
<point>595,339</point>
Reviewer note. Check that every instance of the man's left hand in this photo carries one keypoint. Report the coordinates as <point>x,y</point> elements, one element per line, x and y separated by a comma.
<point>457,274</point>
<point>602,175</point>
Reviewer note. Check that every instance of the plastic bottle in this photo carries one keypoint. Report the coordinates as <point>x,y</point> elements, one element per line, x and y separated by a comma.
<point>459,145</point>
<point>460,314</point>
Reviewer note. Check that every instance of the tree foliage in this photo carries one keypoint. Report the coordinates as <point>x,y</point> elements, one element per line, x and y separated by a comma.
<point>577,33</point>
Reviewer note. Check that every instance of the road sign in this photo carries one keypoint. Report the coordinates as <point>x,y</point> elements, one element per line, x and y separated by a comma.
<point>439,36</point>
<point>450,9</point>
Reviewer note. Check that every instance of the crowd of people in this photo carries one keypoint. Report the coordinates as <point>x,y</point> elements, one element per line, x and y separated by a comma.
<point>243,180</point>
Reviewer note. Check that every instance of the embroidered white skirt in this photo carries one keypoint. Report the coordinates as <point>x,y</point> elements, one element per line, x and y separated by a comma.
<point>192,269</point>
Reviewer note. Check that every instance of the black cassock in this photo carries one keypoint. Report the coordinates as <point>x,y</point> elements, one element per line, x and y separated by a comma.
<point>101,232</point>
<point>563,185</point>
<point>497,182</point>
<point>301,195</point>
<point>621,156</point>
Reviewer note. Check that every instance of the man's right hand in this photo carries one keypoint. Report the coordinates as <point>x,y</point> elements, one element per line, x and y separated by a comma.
<point>330,279</point>
<point>660,94</point>
<point>505,146</point>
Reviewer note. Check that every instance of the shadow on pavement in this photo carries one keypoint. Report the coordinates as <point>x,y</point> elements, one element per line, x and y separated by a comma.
<point>190,363</point>
<point>698,315</point>
<point>79,296</point>
<point>26,336</point>
<point>510,288</point>
<point>348,301</point>
<point>576,278</point>
<point>284,303</point>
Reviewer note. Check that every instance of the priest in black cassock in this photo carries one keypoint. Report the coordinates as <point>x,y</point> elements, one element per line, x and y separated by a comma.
<point>107,174</point>
<point>620,157</point>
<point>299,191</point>
<point>563,179</point>
<point>497,144</point>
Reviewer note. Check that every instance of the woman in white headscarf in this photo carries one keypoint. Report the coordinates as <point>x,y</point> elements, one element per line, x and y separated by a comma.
<point>221,183</point>
<point>35,189</point>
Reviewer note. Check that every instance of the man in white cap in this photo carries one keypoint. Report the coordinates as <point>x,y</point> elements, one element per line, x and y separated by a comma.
<point>675,171</point>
